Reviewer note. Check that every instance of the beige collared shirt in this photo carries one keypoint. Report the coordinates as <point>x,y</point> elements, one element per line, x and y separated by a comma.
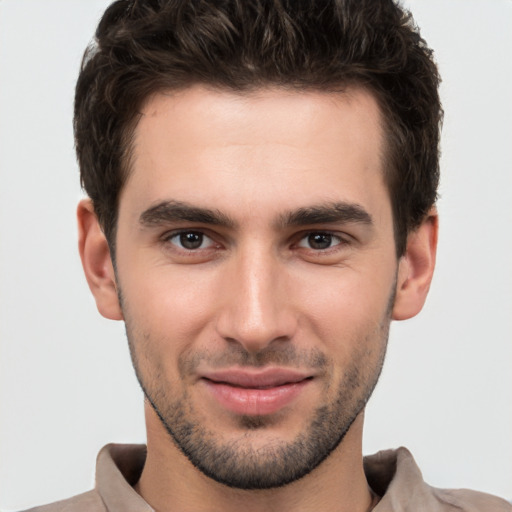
<point>392,474</point>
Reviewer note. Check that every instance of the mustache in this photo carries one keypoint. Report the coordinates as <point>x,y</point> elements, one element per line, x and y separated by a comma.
<point>236,355</point>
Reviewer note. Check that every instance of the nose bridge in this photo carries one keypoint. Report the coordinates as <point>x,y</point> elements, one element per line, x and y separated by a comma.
<point>255,310</point>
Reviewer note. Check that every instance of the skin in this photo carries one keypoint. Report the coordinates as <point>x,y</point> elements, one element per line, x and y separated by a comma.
<point>259,291</point>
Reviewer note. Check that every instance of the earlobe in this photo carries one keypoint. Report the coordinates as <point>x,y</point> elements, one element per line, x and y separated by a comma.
<point>96,262</point>
<point>416,269</point>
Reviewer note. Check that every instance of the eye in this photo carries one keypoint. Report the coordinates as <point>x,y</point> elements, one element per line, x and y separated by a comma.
<point>320,241</point>
<point>191,240</point>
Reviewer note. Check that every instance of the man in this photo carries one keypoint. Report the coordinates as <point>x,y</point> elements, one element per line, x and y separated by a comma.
<point>262,181</point>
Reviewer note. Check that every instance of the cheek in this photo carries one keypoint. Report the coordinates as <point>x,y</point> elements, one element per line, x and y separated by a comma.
<point>172,302</point>
<point>166,315</point>
<point>345,308</point>
<point>344,293</point>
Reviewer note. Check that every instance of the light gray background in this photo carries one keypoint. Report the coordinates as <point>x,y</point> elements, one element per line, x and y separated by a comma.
<point>66,384</point>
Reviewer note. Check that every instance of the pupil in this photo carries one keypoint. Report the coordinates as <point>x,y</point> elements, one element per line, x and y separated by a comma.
<point>191,240</point>
<point>320,241</point>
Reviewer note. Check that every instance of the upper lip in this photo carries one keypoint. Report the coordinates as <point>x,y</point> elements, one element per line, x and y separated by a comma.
<point>267,378</point>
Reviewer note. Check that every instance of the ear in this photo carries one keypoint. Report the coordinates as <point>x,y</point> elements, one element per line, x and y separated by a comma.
<point>416,268</point>
<point>96,261</point>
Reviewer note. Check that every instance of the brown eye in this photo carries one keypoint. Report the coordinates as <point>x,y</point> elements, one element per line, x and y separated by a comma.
<point>191,240</point>
<point>319,241</point>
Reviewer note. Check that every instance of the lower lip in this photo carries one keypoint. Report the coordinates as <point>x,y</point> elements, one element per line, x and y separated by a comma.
<point>252,401</point>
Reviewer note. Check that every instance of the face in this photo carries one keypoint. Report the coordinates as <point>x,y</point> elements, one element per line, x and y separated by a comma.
<point>256,269</point>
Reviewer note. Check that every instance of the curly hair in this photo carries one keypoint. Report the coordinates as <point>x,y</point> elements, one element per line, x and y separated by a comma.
<point>146,46</point>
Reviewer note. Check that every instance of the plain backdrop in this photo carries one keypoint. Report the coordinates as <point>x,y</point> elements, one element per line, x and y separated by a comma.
<point>66,383</point>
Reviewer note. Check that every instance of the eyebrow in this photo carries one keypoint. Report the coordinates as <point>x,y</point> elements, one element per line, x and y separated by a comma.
<point>175,211</point>
<point>327,214</point>
<point>170,211</point>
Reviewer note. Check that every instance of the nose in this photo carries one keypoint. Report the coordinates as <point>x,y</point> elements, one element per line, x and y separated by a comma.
<point>256,304</point>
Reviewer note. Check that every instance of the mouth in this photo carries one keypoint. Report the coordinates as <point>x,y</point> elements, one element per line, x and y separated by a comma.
<point>256,393</point>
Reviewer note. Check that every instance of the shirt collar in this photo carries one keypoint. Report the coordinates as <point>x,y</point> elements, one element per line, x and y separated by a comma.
<point>392,474</point>
<point>118,469</point>
<point>395,476</point>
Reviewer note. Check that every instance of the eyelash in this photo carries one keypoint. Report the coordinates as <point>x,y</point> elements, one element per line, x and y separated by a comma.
<point>167,238</point>
<point>334,237</point>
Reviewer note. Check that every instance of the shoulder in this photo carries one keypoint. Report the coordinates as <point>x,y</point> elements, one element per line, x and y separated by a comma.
<point>89,501</point>
<point>470,501</point>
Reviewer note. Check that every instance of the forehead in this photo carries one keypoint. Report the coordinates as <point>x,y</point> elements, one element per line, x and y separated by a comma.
<point>261,116</point>
<point>270,145</point>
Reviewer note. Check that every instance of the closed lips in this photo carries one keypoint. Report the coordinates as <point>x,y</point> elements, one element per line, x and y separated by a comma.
<point>260,380</point>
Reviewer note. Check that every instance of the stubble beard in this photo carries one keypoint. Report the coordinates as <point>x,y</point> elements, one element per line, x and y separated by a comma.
<point>238,464</point>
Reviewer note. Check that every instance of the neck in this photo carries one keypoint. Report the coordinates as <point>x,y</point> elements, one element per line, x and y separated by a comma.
<point>169,482</point>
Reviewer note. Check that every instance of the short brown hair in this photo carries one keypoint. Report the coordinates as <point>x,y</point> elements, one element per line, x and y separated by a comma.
<point>145,46</point>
